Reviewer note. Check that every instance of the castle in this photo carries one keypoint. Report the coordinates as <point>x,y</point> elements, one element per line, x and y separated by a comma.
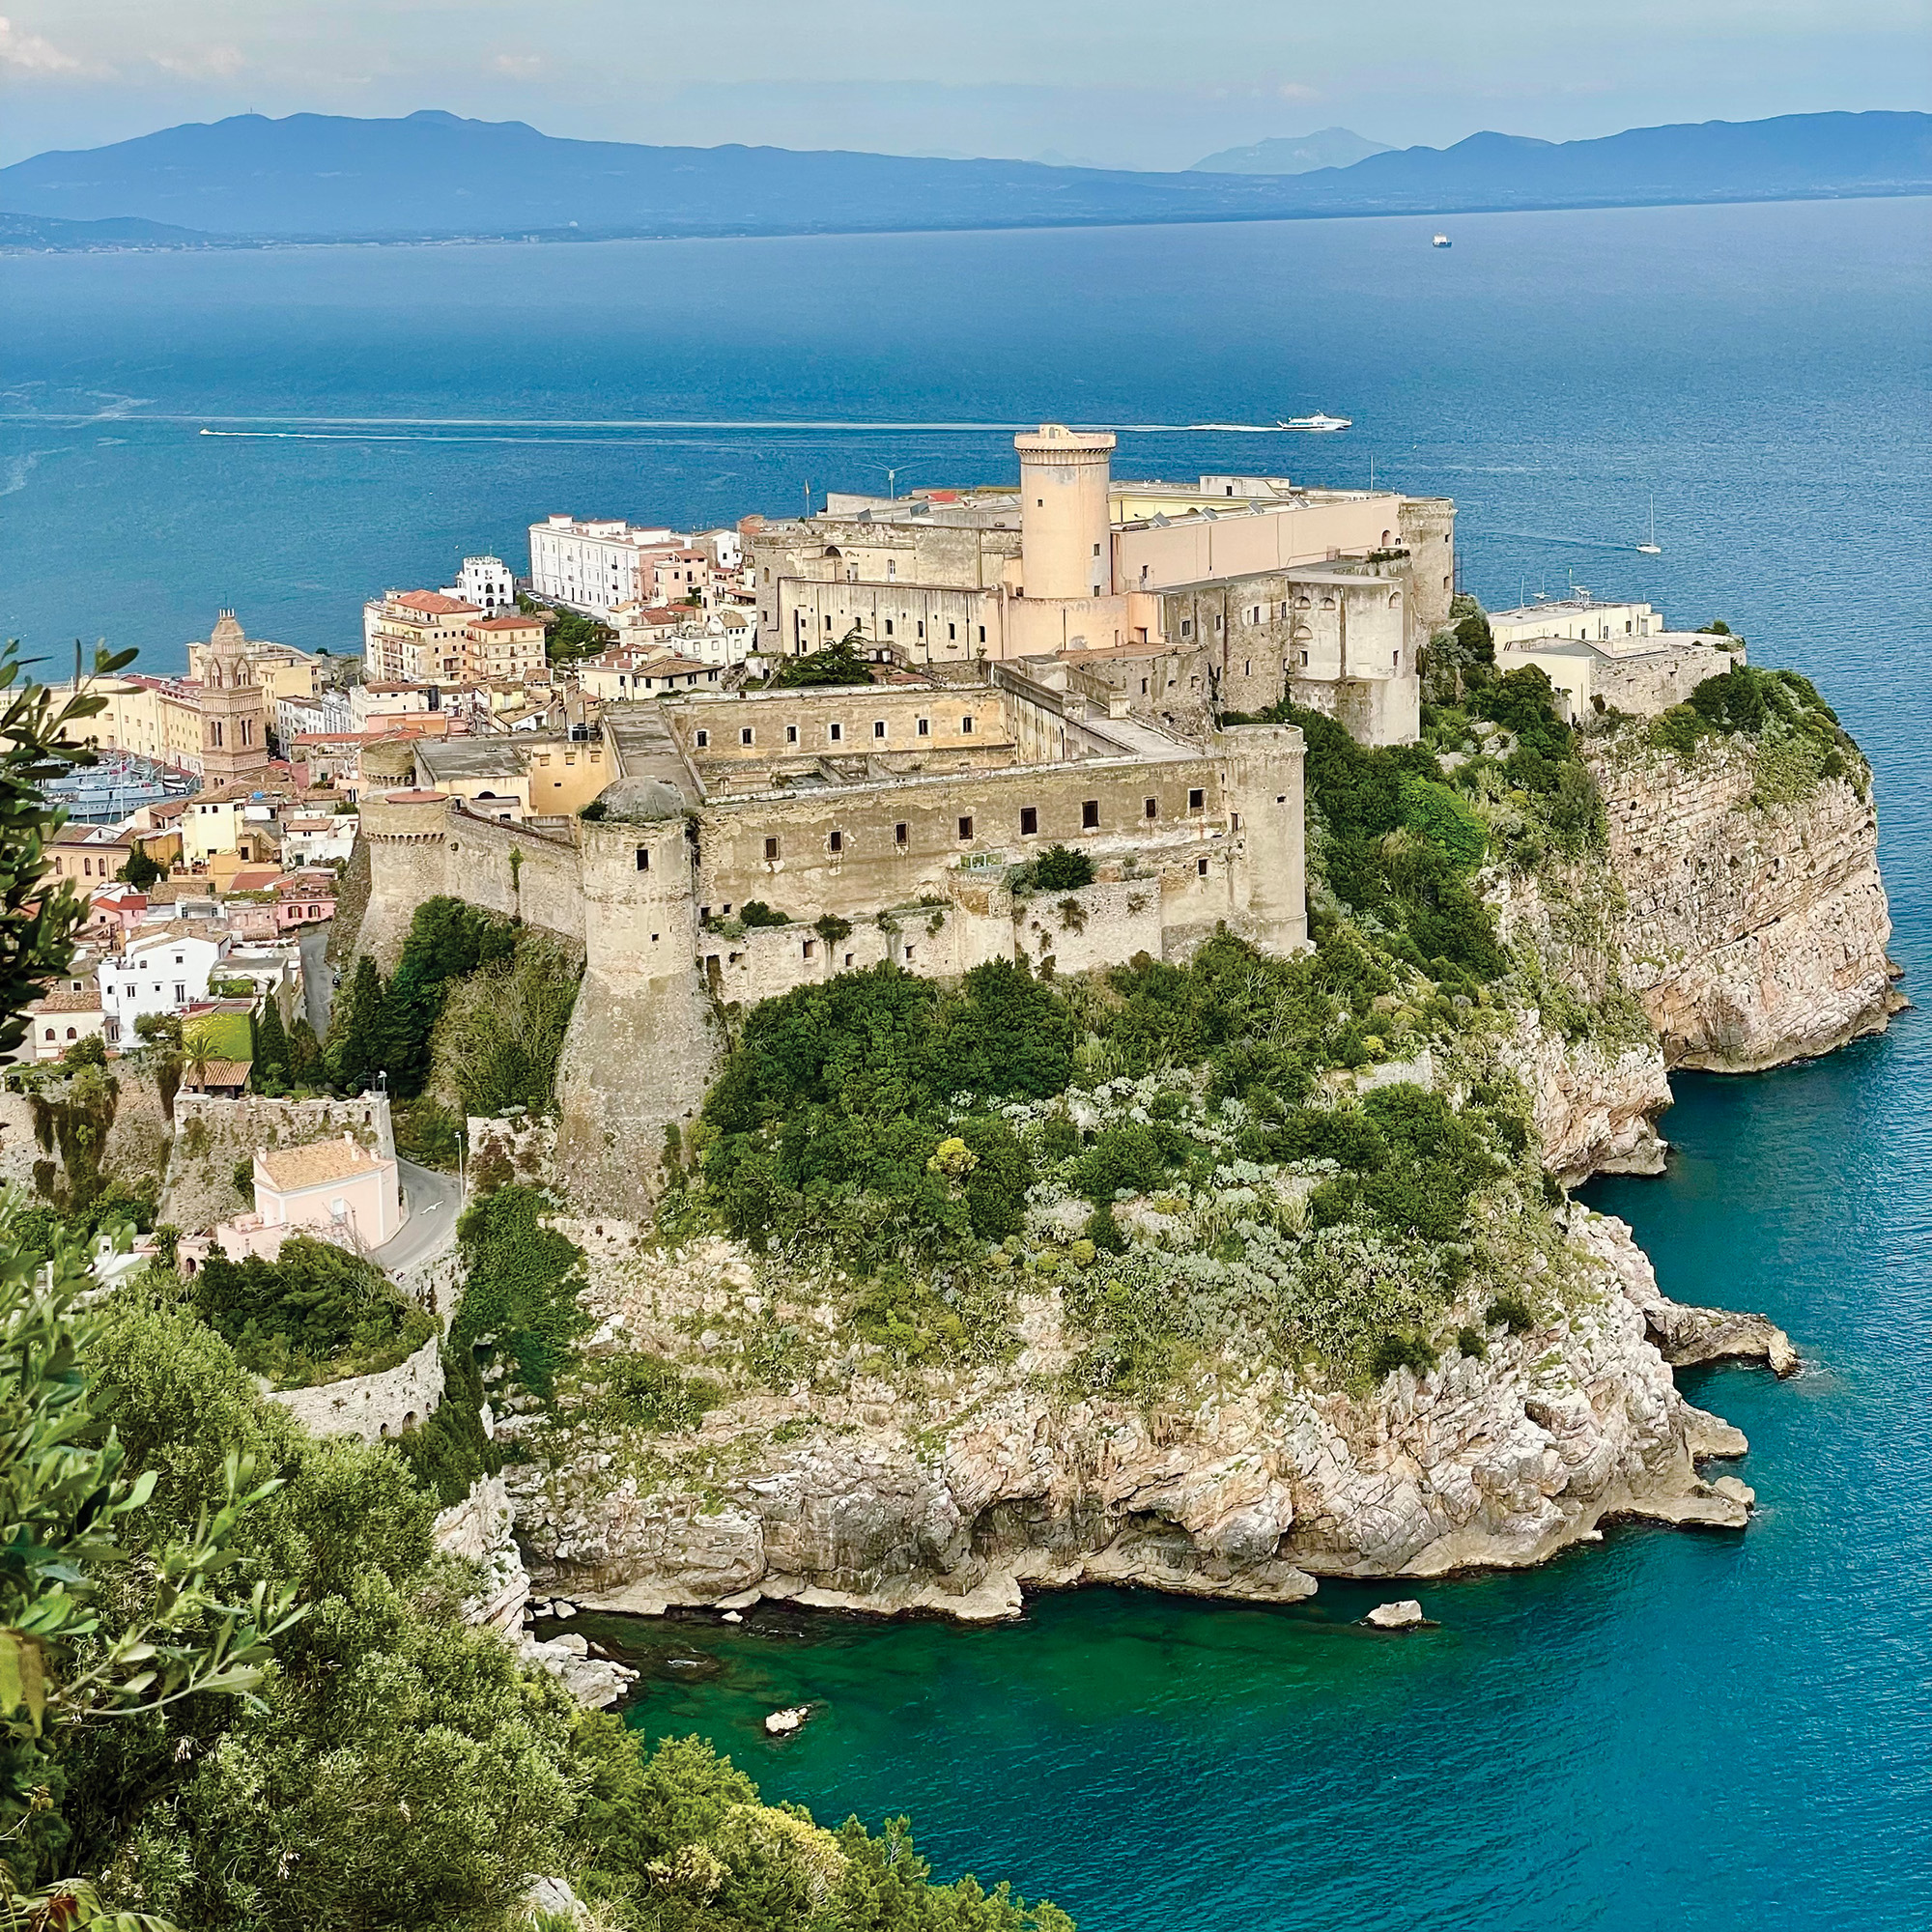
<point>1229,594</point>
<point>748,843</point>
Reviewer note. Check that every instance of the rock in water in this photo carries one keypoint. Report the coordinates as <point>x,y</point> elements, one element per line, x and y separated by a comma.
<point>1402,1616</point>
<point>782,1723</point>
<point>559,1609</point>
<point>734,1616</point>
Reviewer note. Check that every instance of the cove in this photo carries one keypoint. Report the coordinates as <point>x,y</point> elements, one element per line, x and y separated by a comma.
<point>1674,1727</point>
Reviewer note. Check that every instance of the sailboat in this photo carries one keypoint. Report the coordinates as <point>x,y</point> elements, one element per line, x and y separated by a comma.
<point>1650,547</point>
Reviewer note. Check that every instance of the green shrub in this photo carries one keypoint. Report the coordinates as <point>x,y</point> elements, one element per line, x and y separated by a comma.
<point>642,1392</point>
<point>1059,869</point>
<point>1513,1312</point>
<point>1434,812</point>
<point>316,1313</point>
<point>521,1288</point>
<point>1404,1350</point>
<point>755,913</point>
<point>1471,1342</point>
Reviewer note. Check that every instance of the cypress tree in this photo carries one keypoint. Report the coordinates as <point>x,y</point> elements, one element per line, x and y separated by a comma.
<point>271,1047</point>
<point>358,1043</point>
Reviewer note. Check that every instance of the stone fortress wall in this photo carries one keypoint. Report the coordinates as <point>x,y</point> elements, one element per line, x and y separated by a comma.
<point>914,861</point>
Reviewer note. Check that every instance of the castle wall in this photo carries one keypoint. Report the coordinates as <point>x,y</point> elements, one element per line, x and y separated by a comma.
<point>780,849</point>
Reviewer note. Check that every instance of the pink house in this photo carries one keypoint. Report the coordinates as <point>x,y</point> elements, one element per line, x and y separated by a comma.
<point>336,1189</point>
<point>304,898</point>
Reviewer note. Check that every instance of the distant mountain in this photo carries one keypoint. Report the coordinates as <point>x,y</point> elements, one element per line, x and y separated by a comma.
<point>45,231</point>
<point>433,175</point>
<point>1294,155</point>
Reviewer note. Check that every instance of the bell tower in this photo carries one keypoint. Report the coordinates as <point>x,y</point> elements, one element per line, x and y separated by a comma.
<point>233,718</point>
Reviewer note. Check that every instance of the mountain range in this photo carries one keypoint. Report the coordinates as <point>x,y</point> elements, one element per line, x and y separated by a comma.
<point>430,175</point>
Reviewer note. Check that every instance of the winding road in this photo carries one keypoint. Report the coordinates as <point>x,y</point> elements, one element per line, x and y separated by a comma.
<point>433,1202</point>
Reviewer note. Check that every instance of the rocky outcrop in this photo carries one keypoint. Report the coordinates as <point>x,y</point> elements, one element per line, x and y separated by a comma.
<point>1754,933</point>
<point>1594,1103</point>
<point>996,1484</point>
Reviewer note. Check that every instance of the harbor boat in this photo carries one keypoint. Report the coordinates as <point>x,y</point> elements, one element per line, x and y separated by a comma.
<point>1440,241</point>
<point>1316,425</point>
<point>1650,547</point>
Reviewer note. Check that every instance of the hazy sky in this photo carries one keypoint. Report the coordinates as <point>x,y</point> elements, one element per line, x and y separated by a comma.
<point>1124,84</point>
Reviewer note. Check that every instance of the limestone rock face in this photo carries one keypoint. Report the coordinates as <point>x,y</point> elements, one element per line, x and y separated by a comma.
<point>1754,934</point>
<point>847,1500</point>
<point>1595,1104</point>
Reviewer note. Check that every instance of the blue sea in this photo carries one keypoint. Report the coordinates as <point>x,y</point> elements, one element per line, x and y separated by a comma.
<point>1672,1729</point>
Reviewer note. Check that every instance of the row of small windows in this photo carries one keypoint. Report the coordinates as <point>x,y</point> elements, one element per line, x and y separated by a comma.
<point>919,626</point>
<point>836,733</point>
<point>1090,821</point>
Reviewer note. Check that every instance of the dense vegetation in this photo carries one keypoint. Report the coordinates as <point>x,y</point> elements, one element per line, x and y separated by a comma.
<point>316,1313</point>
<point>472,1018</point>
<point>835,664</point>
<point>570,634</point>
<point>932,1143</point>
<point>1796,740</point>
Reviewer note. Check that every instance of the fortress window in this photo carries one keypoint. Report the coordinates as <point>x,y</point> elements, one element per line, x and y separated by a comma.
<point>1281,798</point>
<point>908,953</point>
<point>643,858</point>
<point>983,634</point>
<point>1028,821</point>
<point>834,841</point>
<point>1197,799</point>
<point>848,960</point>
<point>771,850</point>
<point>889,627</point>
<point>791,734</point>
<point>703,739</point>
<point>925,728</point>
<point>966,724</point>
<point>922,626</point>
<point>745,735</point>
<point>878,728</point>
<point>966,827</point>
<point>899,836</point>
<point>951,632</point>
<point>1143,687</point>
<point>1187,627</point>
<point>838,732</point>
<point>1247,667</point>
<point>1234,821</point>
<point>1151,806</point>
<point>810,947</point>
<point>1090,815</point>
<point>1200,867</point>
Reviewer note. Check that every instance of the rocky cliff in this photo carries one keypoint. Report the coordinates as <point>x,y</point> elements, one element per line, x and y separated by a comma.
<point>958,1495</point>
<point>1754,930</point>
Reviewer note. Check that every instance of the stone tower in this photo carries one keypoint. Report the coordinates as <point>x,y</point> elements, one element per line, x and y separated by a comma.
<point>233,718</point>
<point>1264,779</point>
<point>1067,540</point>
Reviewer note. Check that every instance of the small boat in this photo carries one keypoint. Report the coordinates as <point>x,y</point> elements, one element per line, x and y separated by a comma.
<point>1650,547</point>
<point>1316,425</point>
<point>1440,241</point>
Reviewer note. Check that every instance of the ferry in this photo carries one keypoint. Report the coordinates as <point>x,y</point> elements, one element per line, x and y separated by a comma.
<point>1316,425</point>
<point>1440,241</point>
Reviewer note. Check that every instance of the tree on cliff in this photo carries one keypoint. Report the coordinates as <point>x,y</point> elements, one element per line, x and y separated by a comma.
<point>358,1040</point>
<point>271,1071</point>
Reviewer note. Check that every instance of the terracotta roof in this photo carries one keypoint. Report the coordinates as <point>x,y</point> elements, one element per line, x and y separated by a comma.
<point>90,835</point>
<point>433,603</point>
<point>67,1002</point>
<point>508,620</point>
<point>220,1074</point>
<point>316,1165</point>
<point>254,878</point>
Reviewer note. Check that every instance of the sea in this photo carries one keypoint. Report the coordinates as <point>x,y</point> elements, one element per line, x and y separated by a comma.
<point>1696,1730</point>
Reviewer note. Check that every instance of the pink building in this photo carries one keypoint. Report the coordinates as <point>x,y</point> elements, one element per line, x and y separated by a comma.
<point>337,1189</point>
<point>304,898</point>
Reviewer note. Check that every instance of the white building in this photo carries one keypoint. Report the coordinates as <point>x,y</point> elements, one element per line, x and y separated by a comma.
<point>486,583</point>
<point>596,566</point>
<point>1582,619</point>
<point>159,970</point>
<point>325,715</point>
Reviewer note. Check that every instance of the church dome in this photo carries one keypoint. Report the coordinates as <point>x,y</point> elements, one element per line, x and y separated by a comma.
<point>641,801</point>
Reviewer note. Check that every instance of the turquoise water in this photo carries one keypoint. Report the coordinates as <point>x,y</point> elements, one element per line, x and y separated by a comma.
<point>1669,1729</point>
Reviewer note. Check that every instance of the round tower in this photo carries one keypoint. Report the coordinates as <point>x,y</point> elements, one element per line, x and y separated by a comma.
<point>1066,546</point>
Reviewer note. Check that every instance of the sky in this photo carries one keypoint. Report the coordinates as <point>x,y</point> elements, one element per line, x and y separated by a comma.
<point>1114,83</point>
